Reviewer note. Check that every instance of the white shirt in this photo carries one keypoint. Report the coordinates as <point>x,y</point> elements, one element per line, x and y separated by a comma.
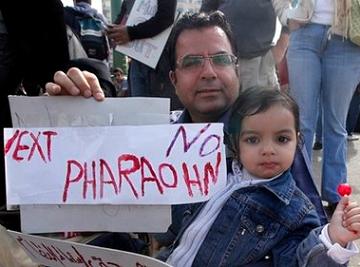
<point>323,12</point>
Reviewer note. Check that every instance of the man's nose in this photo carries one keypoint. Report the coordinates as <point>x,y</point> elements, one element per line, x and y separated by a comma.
<point>208,70</point>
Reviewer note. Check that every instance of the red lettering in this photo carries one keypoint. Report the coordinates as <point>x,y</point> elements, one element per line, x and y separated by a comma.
<point>190,182</point>
<point>152,178</point>
<point>201,152</point>
<point>90,181</point>
<point>174,175</point>
<point>68,180</point>
<point>186,144</point>
<point>36,144</point>
<point>48,135</point>
<point>11,141</point>
<point>105,166</point>
<point>19,147</point>
<point>125,172</point>
<point>209,170</point>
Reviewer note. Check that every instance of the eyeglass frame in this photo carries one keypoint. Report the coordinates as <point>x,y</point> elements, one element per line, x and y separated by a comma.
<point>234,60</point>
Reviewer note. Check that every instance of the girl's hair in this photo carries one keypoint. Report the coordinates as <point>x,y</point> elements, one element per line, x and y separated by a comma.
<point>257,100</point>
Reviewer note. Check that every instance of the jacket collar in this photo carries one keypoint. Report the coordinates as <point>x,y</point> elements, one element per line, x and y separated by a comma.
<point>283,187</point>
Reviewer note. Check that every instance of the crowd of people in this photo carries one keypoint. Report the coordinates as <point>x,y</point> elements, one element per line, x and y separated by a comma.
<point>222,66</point>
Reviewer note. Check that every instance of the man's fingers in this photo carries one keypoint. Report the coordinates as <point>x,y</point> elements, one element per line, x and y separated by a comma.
<point>80,81</point>
<point>52,88</point>
<point>93,82</point>
<point>66,84</point>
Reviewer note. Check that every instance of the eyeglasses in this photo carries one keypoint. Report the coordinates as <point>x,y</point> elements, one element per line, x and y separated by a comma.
<point>217,60</point>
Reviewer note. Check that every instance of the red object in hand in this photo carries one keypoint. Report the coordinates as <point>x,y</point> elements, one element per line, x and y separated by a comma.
<point>344,189</point>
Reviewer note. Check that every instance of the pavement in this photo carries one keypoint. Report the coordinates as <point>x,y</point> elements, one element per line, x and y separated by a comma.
<point>353,164</point>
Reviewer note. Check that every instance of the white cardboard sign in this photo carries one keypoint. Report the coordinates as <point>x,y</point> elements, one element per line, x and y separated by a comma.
<point>57,253</point>
<point>147,51</point>
<point>158,164</point>
<point>62,111</point>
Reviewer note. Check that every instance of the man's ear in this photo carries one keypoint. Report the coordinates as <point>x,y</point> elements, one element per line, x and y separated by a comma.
<point>172,77</point>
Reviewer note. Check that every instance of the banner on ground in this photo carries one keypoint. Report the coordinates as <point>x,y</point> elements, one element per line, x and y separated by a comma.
<point>58,253</point>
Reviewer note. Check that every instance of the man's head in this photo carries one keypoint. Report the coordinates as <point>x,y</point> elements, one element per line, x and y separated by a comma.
<point>118,74</point>
<point>203,65</point>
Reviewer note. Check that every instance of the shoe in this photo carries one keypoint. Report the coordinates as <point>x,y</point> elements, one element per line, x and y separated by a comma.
<point>330,208</point>
<point>351,137</point>
<point>317,146</point>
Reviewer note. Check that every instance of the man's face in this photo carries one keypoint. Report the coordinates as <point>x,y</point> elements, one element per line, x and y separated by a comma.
<point>206,91</point>
<point>119,76</point>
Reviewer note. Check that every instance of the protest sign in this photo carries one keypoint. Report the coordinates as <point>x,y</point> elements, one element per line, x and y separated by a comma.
<point>148,50</point>
<point>64,111</point>
<point>157,164</point>
<point>57,253</point>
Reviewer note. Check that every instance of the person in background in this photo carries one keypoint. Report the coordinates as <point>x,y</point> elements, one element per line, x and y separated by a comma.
<point>253,24</point>
<point>120,82</point>
<point>120,34</point>
<point>89,27</point>
<point>353,115</point>
<point>33,46</point>
<point>323,64</point>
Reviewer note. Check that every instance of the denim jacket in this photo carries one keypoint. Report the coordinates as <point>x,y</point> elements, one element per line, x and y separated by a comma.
<point>267,224</point>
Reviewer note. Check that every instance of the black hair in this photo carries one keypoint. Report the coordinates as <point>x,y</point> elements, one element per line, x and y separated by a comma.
<point>257,100</point>
<point>118,69</point>
<point>86,1</point>
<point>191,21</point>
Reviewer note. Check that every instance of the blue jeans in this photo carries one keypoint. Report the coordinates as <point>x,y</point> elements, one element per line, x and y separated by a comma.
<point>140,79</point>
<point>319,123</point>
<point>331,66</point>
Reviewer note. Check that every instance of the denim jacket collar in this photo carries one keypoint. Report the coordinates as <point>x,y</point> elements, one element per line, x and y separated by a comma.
<point>283,188</point>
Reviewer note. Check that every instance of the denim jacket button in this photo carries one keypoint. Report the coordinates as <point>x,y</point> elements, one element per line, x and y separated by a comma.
<point>259,228</point>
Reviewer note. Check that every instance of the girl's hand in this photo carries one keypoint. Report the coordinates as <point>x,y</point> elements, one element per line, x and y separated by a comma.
<point>345,223</point>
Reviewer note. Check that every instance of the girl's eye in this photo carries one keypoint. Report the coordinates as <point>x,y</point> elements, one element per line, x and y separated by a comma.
<point>252,140</point>
<point>283,139</point>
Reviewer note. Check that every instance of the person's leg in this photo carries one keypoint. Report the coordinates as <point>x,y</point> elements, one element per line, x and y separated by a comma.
<point>319,130</point>
<point>139,79</point>
<point>341,74</point>
<point>354,111</point>
<point>249,72</point>
<point>304,65</point>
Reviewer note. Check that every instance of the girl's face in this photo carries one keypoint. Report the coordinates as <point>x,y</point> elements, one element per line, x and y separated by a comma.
<point>268,142</point>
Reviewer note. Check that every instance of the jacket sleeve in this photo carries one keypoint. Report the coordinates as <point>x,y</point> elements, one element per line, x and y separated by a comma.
<point>209,5</point>
<point>313,253</point>
<point>162,19</point>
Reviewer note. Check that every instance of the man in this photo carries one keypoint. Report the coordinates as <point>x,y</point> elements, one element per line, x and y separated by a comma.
<point>206,92</point>
<point>120,82</point>
<point>120,34</point>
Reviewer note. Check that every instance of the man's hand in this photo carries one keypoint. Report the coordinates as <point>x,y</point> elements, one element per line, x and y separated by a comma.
<point>75,82</point>
<point>118,34</point>
<point>345,222</point>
